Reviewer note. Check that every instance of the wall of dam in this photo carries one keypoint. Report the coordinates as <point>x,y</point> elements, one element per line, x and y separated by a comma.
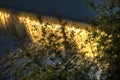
<point>46,30</point>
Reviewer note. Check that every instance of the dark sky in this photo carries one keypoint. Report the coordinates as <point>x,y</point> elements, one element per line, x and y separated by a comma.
<point>69,9</point>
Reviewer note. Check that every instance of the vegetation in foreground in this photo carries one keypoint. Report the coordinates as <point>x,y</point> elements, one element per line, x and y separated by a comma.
<point>49,62</point>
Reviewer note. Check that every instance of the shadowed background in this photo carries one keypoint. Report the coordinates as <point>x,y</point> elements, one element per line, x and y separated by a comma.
<point>76,10</point>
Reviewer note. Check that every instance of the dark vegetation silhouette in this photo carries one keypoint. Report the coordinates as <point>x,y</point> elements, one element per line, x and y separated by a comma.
<point>55,58</point>
<point>108,21</point>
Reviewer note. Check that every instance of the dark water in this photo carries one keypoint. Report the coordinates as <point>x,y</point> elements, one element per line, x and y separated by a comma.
<point>77,10</point>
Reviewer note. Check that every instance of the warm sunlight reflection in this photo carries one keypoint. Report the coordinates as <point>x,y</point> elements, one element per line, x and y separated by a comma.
<point>4,17</point>
<point>32,26</point>
<point>34,29</point>
<point>37,30</point>
<point>81,36</point>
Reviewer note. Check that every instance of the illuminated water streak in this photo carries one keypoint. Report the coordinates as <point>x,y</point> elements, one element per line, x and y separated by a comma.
<point>4,19</point>
<point>33,27</point>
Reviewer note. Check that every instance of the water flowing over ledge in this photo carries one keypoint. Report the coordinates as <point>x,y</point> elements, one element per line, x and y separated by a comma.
<point>34,27</point>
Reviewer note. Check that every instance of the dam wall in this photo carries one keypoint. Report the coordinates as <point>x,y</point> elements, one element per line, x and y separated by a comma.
<point>35,28</point>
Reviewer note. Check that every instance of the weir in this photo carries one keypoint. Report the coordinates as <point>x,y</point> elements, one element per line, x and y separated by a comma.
<point>35,27</point>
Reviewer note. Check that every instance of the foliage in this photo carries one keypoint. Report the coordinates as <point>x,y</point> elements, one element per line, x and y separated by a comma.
<point>108,18</point>
<point>55,58</point>
<point>32,65</point>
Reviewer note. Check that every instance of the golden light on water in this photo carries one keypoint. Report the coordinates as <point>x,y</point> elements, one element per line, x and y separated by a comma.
<point>34,30</point>
<point>31,25</point>
<point>4,18</point>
